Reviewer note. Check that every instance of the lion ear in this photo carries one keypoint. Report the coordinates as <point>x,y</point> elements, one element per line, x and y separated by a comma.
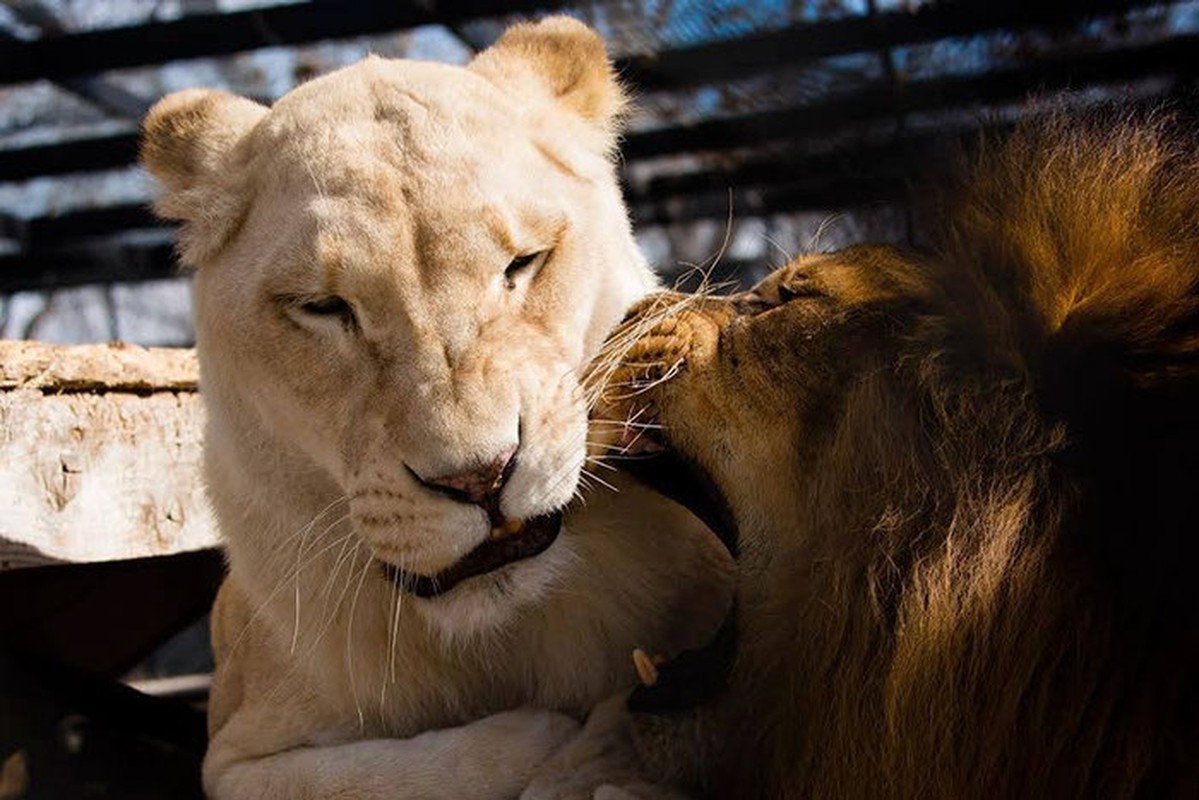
<point>563,58</point>
<point>187,135</point>
<point>188,139</point>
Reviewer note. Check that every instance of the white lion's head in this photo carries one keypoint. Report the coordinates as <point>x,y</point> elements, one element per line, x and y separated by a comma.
<point>402,268</point>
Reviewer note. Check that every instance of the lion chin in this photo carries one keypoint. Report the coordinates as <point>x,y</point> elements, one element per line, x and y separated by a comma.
<point>485,604</point>
<point>959,482</point>
<point>401,271</point>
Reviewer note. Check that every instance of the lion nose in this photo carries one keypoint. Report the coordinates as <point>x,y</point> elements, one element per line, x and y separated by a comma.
<point>480,486</point>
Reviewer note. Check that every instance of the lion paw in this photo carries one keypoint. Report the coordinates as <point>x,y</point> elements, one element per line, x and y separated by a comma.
<point>662,338</point>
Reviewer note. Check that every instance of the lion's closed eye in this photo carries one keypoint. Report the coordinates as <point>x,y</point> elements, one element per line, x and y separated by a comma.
<point>797,286</point>
<point>795,281</point>
<point>318,313</point>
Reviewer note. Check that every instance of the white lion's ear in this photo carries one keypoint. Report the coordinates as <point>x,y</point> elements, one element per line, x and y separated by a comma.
<point>188,142</point>
<point>565,59</point>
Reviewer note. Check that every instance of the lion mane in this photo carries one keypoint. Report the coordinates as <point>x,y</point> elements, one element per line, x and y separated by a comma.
<point>962,483</point>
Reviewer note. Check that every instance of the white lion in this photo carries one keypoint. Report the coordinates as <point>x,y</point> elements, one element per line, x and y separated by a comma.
<point>402,268</point>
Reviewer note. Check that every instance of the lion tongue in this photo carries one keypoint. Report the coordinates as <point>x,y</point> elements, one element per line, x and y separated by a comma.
<point>635,440</point>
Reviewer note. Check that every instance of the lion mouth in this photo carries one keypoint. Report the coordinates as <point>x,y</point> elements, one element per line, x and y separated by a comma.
<point>517,542</point>
<point>666,469</point>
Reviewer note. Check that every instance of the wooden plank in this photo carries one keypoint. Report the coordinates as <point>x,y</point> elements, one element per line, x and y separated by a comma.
<point>113,367</point>
<point>100,450</point>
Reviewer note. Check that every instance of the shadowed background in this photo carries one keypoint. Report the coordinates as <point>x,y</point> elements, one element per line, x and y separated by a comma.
<point>760,130</point>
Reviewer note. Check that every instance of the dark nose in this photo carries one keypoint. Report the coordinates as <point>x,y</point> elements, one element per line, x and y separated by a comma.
<point>480,486</point>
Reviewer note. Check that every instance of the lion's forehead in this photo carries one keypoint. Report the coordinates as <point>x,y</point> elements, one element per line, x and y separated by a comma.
<point>413,132</point>
<point>381,161</point>
<point>410,114</point>
<point>368,174</point>
<point>377,87</point>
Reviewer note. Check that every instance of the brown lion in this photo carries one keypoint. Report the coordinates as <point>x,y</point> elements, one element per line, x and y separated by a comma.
<point>962,487</point>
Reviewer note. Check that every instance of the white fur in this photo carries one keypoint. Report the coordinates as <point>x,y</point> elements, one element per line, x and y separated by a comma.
<point>406,188</point>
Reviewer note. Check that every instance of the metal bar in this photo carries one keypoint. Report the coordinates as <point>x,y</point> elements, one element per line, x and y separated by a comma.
<point>714,62</point>
<point>108,151</point>
<point>118,150</point>
<point>840,193</point>
<point>1172,56</point>
<point>49,232</point>
<point>102,262</point>
<point>103,94</point>
<point>219,34</point>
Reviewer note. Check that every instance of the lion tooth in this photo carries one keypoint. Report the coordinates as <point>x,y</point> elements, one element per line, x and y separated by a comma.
<point>647,671</point>
<point>511,527</point>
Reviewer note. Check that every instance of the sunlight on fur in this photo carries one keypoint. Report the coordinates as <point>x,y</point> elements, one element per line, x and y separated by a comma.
<point>961,483</point>
<point>387,313</point>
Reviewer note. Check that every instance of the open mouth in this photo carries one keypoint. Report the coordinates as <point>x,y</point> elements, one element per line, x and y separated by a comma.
<point>670,472</point>
<point>517,541</point>
<point>693,677</point>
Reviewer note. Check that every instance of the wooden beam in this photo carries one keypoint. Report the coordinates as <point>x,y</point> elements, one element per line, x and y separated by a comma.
<point>856,163</point>
<point>1179,55</point>
<point>52,230</point>
<point>110,97</point>
<point>98,368</point>
<point>99,454</point>
<point>57,251</point>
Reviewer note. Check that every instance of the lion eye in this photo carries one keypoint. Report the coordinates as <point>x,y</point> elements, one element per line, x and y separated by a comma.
<point>332,307</point>
<point>516,266</point>
<point>797,287</point>
<point>787,293</point>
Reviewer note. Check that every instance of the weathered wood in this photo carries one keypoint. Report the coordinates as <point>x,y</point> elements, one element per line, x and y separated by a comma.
<point>100,368</point>
<point>99,454</point>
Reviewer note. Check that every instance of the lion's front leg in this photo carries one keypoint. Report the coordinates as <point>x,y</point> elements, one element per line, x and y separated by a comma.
<point>276,733</point>
<point>494,757</point>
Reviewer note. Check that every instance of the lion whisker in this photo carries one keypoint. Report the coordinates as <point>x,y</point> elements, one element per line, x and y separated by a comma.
<point>280,585</point>
<point>600,480</point>
<point>349,644</point>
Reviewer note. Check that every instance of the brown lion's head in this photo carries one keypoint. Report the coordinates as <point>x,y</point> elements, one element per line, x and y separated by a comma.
<point>959,481</point>
<point>724,401</point>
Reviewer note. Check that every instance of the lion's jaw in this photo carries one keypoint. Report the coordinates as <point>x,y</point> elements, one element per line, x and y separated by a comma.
<point>445,361</point>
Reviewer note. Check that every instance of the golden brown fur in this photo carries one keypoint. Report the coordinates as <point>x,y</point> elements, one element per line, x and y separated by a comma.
<point>964,485</point>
